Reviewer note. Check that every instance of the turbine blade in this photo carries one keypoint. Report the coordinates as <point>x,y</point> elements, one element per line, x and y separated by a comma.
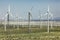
<point>48,10</point>
<point>9,8</point>
<point>6,15</point>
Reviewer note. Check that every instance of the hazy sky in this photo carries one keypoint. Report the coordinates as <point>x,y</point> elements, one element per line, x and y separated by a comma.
<point>21,7</point>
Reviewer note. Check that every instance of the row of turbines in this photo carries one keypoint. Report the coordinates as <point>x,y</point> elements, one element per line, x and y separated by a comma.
<point>48,14</point>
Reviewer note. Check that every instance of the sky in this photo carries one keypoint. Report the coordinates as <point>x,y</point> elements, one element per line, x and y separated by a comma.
<point>21,8</point>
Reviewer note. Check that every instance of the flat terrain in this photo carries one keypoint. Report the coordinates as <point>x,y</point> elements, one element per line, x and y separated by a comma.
<point>55,23</point>
<point>32,33</point>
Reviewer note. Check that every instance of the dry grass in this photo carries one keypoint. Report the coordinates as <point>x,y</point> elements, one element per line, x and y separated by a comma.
<point>35,33</point>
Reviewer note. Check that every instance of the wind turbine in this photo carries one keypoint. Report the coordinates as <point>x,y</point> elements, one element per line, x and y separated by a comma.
<point>5,21</point>
<point>20,21</point>
<point>52,20</point>
<point>29,19</point>
<point>49,15</point>
<point>7,17</point>
<point>48,19</point>
<point>4,18</point>
<point>17,22</point>
<point>40,20</point>
<point>17,18</point>
<point>8,14</point>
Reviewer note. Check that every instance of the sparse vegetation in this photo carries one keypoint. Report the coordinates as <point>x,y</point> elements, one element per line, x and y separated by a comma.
<point>36,33</point>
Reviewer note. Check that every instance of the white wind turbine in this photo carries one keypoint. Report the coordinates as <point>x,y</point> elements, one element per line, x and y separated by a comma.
<point>4,18</point>
<point>7,17</point>
<point>17,22</point>
<point>29,19</point>
<point>5,21</point>
<point>40,17</point>
<point>17,18</point>
<point>52,21</point>
<point>49,15</point>
<point>21,19</point>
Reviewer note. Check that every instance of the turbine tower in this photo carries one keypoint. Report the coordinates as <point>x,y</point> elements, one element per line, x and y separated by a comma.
<point>40,17</point>
<point>17,22</point>
<point>8,13</point>
<point>29,19</point>
<point>52,21</point>
<point>49,15</point>
<point>7,17</point>
<point>48,19</point>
